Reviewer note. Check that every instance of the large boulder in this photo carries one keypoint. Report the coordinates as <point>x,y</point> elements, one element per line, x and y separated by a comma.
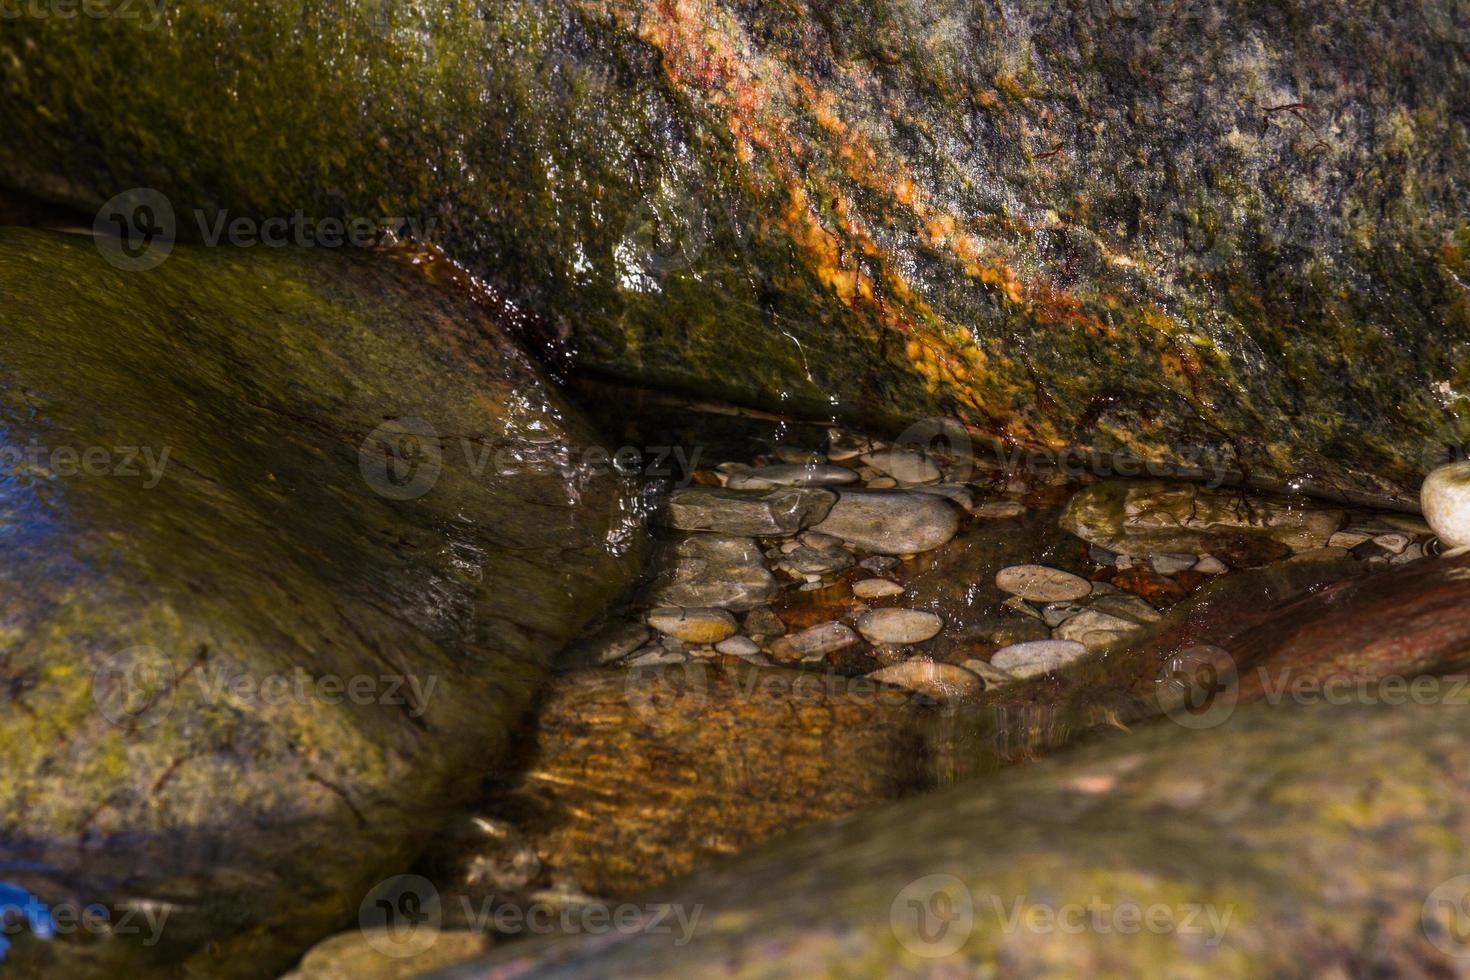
<point>287,537</point>
<point>1291,842</point>
<point>1221,236</point>
<point>633,777</point>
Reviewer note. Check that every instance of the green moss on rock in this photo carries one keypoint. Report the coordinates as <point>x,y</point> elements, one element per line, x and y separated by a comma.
<point>242,682</point>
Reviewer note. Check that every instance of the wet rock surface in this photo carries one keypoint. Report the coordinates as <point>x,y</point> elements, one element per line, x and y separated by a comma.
<point>738,513</point>
<point>245,684</point>
<point>1136,821</point>
<point>1219,243</point>
<point>891,523</point>
<point>632,778</point>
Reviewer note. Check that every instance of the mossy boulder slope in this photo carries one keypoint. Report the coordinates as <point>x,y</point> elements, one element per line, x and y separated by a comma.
<point>1220,234</point>
<point>287,539</point>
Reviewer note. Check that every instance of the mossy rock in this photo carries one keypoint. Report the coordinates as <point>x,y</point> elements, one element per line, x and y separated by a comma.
<point>1193,236</point>
<point>241,684</point>
<point>1290,841</point>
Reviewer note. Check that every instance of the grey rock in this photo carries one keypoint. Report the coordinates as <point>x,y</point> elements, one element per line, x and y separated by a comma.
<point>1172,564</point>
<point>609,643</point>
<point>956,493</point>
<point>817,561</point>
<point>714,571</point>
<point>789,475</point>
<point>1056,613</point>
<point>1022,660</point>
<point>904,465</point>
<point>738,646</point>
<point>1042,583</point>
<point>764,514</point>
<point>891,523</point>
<point>814,642</point>
<point>763,622</point>
<point>899,627</point>
<point>1097,630</point>
<point>876,588</point>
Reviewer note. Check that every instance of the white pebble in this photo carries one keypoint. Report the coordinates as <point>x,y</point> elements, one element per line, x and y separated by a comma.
<point>1445,498</point>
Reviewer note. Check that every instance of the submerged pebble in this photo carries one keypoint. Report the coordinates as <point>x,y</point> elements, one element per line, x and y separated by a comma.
<point>693,625</point>
<point>791,475</point>
<point>904,466</point>
<point>708,570</point>
<point>738,646</point>
<point>1022,660</point>
<point>942,682</point>
<point>747,513</point>
<point>899,626</point>
<point>814,642</point>
<point>1042,583</point>
<point>891,522</point>
<point>876,588</point>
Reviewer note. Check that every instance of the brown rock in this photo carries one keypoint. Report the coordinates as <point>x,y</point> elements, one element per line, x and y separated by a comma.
<point>633,777</point>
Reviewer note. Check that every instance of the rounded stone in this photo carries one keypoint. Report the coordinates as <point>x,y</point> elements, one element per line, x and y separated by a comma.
<point>942,682</point>
<point>738,646</point>
<point>899,626</point>
<point>876,588</point>
<point>903,466</point>
<point>1445,498</point>
<point>792,475</point>
<point>1036,657</point>
<point>1042,583</point>
<point>693,625</point>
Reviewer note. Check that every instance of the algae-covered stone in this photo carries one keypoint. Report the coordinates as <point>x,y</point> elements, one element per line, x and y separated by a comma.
<point>270,599</point>
<point>634,777</point>
<point>1151,517</point>
<point>1254,849</point>
<point>1193,235</point>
